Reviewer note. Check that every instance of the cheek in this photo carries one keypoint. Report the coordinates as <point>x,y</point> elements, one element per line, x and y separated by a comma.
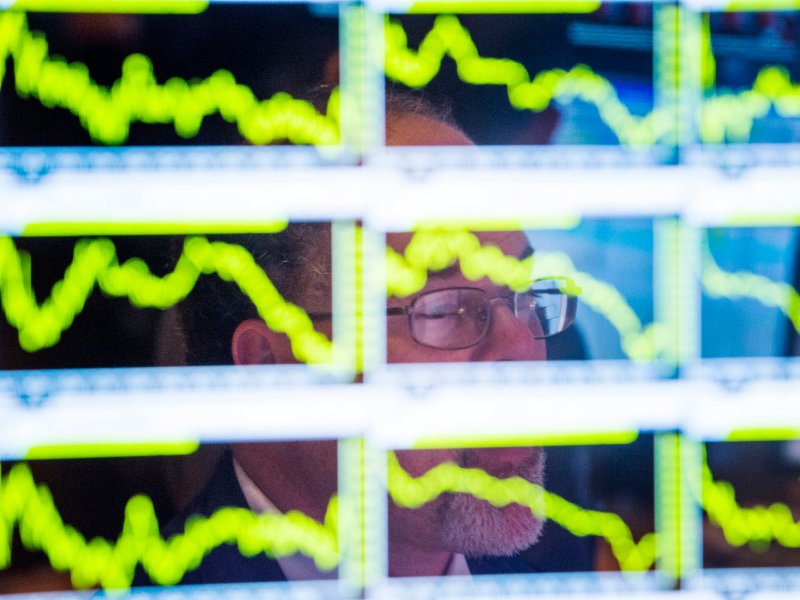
<point>399,345</point>
<point>401,348</point>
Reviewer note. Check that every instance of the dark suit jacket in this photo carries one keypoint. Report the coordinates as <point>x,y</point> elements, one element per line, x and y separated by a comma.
<point>226,565</point>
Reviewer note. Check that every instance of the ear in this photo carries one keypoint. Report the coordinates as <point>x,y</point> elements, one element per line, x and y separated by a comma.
<point>253,343</point>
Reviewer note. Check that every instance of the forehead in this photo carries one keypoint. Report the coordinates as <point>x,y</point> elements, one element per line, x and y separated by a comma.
<point>419,130</point>
<point>512,243</point>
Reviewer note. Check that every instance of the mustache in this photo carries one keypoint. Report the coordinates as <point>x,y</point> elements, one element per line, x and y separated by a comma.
<point>531,467</point>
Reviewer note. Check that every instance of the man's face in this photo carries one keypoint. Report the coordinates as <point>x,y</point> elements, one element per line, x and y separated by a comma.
<point>508,338</point>
<point>452,522</point>
<point>460,522</point>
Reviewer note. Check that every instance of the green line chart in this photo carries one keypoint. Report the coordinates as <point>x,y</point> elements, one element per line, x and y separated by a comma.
<point>718,283</point>
<point>107,113</point>
<point>431,251</point>
<point>95,264</point>
<point>449,37</point>
<point>111,564</point>
<point>728,115</point>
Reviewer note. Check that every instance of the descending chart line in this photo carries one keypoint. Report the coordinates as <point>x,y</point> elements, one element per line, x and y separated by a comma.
<point>431,251</point>
<point>718,283</point>
<point>30,508</point>
<point>111,564</point>
<point>95,264</point>
<point>728,115</point>
<point>107,113</point>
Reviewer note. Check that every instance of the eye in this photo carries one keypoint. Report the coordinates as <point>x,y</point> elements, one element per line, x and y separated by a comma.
<point>483,313</point>
<point>443,311</point>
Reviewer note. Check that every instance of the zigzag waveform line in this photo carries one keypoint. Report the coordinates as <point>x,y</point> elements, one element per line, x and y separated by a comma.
<point>95,263</point>
<point>449,37</point>
<point>757,525</point>
<point>30,508</point>
<point>725,115</point>
<point>437,250</point>
<point>731,115</point>
<point>718,283</point>
<point>449,477</point>
<point>112,564</point>
<point>108,113</point>
<point>718,499</point>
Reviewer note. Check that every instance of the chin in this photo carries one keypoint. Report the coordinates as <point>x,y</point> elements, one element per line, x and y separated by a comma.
<point>474,527</point>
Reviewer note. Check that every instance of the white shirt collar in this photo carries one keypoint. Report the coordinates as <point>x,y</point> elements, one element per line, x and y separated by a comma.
<point>457,566</point>
<point>298,567</point>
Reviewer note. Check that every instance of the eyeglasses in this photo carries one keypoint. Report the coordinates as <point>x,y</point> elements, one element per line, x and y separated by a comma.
<point>460,317</point>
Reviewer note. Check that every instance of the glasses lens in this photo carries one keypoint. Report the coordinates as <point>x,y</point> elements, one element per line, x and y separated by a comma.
<point>548,307</point>
<point>450,319</point>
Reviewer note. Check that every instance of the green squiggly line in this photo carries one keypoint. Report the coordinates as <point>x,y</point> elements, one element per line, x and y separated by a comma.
<point>29,507</point>
<point>723,116</point>
<point>740,526</point>
<point>449,38</point>
<point>718,283</point>
<point>95,264</point>
<point>111,564</point>
<point>437,250</point>
<point>449,477</point>
<point>757,525</point>
<point>108,113</point>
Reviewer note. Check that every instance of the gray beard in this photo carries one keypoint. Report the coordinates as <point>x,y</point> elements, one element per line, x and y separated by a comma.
<point>474,527</point>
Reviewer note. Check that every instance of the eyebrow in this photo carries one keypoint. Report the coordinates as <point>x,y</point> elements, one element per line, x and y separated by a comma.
<point>446,272</point>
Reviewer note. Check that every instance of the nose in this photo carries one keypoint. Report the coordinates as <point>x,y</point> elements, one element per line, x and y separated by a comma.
<point>508,338</point>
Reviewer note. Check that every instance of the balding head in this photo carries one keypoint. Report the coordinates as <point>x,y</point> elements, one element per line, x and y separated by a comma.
<point>409,129</point>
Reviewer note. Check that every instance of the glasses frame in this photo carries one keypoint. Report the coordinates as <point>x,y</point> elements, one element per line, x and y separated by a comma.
<point>571,292</point>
